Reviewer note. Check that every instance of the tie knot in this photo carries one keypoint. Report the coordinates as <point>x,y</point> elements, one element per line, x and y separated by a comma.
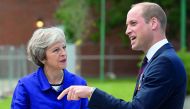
<point>145,61</point>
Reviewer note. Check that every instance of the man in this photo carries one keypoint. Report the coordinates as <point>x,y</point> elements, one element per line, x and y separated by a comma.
<point>162,83</point>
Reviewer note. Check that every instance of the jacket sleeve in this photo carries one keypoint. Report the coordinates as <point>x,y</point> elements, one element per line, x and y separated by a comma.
<point>154,91</point>
<point>20,97</point>
<point>102,100</point>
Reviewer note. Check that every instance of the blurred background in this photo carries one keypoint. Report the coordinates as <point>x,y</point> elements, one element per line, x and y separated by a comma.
<point>97,46</point>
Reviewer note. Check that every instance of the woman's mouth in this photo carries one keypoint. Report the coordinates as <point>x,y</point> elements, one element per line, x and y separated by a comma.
<point>63,60</point>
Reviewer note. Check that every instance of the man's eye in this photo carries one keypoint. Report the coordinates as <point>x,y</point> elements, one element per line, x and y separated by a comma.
<point>133,23</point>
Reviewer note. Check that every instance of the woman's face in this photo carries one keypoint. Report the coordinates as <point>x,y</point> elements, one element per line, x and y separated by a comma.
<point>56,56</point>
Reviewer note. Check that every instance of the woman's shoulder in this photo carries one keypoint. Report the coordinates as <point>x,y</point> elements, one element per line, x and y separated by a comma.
<point>29,77</point>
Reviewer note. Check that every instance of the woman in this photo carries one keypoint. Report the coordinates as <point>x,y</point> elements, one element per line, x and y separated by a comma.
<point>39,90</point>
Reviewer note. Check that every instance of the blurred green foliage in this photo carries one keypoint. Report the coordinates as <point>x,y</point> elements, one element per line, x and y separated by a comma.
<point>116,12</point>
<point>185,57</point>
<point>72,16</point>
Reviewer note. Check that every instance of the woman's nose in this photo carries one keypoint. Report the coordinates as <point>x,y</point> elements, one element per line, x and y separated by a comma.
<point>63,51</point>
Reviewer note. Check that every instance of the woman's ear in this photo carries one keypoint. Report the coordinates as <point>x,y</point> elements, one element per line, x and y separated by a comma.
<point>43,61</point>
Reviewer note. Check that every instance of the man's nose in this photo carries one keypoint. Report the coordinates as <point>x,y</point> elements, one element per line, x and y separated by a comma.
<point>128,31</point>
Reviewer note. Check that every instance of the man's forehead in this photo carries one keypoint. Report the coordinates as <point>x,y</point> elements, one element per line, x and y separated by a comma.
<point>132,17</point>
<point>136,10</point>
<point>134,13</point>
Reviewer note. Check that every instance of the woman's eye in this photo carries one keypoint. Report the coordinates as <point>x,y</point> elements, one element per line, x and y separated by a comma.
<point>64,47</point>
<point>56,50</point>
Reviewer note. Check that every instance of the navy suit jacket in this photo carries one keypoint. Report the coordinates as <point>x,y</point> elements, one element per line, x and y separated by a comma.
<point>163,85</point>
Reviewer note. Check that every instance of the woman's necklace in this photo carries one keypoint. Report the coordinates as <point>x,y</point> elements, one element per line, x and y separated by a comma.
<point>61,78</point>
<point>58,85</point>
<point>59,82</point>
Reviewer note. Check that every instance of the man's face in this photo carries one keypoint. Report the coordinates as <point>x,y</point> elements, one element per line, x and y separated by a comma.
<point>138,30</point>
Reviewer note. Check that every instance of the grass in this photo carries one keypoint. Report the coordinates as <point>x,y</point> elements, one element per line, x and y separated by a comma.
<point>5,103</point>
<point>119,88</point>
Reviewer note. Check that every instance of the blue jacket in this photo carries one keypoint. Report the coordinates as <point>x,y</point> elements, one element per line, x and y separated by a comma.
<point>163,86</point>
<point>35,92</point>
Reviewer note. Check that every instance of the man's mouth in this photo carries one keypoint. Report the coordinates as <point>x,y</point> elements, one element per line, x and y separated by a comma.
<point>132,38</point>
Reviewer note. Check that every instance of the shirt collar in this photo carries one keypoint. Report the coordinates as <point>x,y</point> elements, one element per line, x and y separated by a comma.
<point>44,84</point>
<point>155,48</point>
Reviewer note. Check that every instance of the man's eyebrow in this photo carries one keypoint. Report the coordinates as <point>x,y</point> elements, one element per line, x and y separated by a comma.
<point>132,21</point>
<point>127,23</point>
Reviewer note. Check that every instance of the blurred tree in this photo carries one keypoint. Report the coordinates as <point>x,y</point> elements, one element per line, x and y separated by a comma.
<point>75,12</point>
<point>72,15</point>
<point>116,12</point>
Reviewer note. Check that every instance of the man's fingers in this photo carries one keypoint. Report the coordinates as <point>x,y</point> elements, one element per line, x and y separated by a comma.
<point>72,95</point>
<point>76,92</point>
<point>69,94</point>
<point>63,94</point>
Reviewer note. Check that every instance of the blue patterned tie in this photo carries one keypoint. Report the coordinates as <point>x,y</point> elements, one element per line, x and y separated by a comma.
<point>140,75</point>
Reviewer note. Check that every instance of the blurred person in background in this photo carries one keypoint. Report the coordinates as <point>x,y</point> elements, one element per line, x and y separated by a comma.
<point>39,90</point>
<point>161,83</point>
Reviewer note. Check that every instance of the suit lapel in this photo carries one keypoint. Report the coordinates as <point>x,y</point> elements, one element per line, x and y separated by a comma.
<point>160,51</point>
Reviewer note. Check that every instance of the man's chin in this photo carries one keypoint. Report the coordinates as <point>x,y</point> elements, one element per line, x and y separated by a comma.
<point>135,48</point>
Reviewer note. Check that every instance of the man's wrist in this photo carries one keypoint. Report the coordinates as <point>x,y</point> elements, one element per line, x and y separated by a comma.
<point>92,89</point>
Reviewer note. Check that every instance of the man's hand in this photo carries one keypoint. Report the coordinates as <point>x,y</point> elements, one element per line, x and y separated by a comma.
<point>76,92</point>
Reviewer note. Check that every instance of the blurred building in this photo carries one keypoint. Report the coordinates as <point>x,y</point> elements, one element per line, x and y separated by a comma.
<point>19,17</point>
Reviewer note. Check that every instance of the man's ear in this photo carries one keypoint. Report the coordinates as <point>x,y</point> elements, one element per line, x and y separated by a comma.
<point>154,23</point>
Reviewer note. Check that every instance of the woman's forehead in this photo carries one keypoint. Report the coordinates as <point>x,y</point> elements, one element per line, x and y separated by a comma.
<point>57,44</point>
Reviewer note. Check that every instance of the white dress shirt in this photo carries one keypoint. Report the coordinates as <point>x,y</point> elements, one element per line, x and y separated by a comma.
<point>155,48</point>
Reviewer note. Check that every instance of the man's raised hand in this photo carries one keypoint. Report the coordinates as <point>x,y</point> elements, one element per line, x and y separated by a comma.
<point>76,92</point>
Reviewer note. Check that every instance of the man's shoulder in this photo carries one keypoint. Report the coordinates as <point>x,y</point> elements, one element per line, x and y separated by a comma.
<point>169,55</point>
